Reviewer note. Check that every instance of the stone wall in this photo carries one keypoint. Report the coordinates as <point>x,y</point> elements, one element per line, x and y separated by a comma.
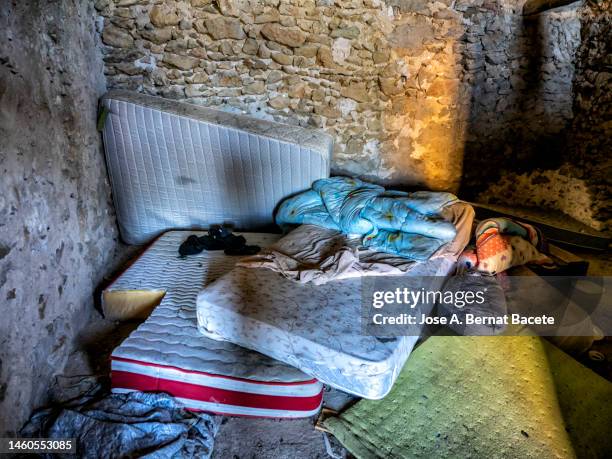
<point>436,94</point>
<point>590,154</point>
<point>579,181</point>
<point>521,90</point>
<point>407,87</point>
<point>57,228</point>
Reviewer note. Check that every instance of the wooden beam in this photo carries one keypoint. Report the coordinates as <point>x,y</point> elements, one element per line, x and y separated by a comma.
<point>532,7</point>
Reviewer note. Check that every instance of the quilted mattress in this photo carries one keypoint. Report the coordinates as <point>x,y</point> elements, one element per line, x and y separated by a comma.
<point>174,165</point>
<point>167,353</point>
<point>315,328</point>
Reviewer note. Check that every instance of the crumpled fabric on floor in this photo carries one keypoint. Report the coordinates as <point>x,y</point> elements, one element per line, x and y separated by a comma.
<point>135,424</point>
<point>484,396</point>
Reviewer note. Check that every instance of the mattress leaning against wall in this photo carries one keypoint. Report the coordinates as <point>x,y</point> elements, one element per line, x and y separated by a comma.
<point>175,165</point>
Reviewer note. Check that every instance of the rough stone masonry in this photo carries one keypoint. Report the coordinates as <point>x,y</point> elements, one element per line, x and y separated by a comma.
<point>403,85</point>
<point>579,180</point>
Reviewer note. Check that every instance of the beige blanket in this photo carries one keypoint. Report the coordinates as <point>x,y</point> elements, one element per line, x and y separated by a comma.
<point>315,254</point>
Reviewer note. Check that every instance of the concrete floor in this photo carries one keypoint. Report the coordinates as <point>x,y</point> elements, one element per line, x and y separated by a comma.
<point>243,438</point>
<point>247,438</point>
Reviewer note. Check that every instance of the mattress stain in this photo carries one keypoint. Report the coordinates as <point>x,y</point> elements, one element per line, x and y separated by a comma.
<point>4,273</point>
<point>11,295</point>
<point>42,304</point>
<point>4,251</point>
<point>183,180</point>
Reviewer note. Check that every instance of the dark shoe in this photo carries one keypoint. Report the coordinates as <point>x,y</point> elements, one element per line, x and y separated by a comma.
<point>211,243</point>
<point>191,246</point>
<point>218,238</point>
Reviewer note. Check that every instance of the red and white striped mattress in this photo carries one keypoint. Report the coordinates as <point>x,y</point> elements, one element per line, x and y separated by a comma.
<point>201,391</point>
<point>168,354</point>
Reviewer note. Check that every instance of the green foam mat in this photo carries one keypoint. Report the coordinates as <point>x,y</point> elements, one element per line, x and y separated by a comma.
<point>504,396</point>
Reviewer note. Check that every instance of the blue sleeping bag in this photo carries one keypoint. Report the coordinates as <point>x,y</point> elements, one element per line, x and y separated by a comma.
<point>404,224</point>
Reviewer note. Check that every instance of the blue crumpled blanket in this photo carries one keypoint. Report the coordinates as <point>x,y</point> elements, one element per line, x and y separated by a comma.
<point>400,223</point>
<point>134,424</point>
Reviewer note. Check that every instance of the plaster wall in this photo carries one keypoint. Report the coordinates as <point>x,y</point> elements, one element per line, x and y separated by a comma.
<point>57,224</point>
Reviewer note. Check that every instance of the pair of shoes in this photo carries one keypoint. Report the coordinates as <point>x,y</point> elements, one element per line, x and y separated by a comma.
<point>218,238</point>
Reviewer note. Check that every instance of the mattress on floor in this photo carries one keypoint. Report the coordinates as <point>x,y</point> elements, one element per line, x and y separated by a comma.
<point>167,353</point>
<point>315,328</point>
<point>175,165</point>
<point>481,396</point>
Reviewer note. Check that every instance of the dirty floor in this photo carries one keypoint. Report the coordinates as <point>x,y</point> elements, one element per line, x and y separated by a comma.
<point>247,438</point>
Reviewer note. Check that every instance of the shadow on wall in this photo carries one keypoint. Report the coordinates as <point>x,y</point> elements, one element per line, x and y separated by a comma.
<point>494,99</point>
<point>591,135</point>
<point>523,126</point>
<point>557,155</point>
